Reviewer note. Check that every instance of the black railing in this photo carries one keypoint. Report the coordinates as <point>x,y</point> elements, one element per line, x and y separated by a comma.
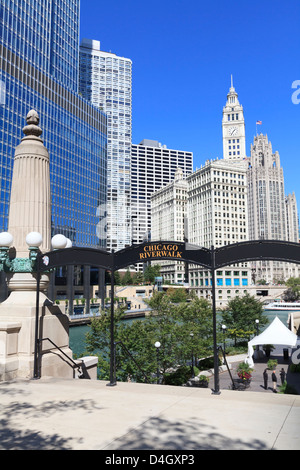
<point>226,363</point>
<point>37,366</point>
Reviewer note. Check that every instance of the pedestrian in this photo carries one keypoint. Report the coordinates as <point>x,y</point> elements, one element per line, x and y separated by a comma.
<point>282,376</point>
<point>274,380</point>
<point>265,376</point>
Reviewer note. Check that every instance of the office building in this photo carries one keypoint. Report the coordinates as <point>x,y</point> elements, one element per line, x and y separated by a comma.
<point>105,80</point>
<point>217,216</point>
<point>39,70</point>
<point>168,222</point>
<point>272,215</point>
<point>153,166</point>
<point>292,218</point>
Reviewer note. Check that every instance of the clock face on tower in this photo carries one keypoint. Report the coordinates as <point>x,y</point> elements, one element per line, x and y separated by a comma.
<point>232,131</point>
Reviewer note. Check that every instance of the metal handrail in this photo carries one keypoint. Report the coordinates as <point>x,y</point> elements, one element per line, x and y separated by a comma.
<point>226,363</point>
<point>76,365</point>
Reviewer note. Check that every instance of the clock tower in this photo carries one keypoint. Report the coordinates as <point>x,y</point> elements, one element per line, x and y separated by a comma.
<point>233,127</point>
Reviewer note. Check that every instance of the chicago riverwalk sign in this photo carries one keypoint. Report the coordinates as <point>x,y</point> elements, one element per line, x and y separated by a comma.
<point>212,259</point>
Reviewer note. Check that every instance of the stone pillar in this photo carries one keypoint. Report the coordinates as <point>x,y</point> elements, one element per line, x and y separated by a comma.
<point>30,200</point>
<point>30,212</point>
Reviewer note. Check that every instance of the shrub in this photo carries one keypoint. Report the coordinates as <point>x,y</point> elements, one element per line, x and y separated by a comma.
<point>244,371</point>
<point>295,367</point>
<point>203,378</point>
<point>208,363</point>
<point>288,389</point>
<point>180,376</point>
<point>272,364</point>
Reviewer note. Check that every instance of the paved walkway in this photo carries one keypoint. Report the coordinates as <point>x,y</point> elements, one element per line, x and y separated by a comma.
<point>60,414</point>
<point>257,383</point>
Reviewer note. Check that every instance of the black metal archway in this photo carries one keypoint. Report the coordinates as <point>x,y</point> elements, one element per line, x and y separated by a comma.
<point>212,259</point>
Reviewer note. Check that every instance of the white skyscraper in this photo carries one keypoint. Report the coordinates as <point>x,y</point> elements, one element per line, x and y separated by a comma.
<point>153,167</point>
<point>168,222</point>
<point>105,80</point>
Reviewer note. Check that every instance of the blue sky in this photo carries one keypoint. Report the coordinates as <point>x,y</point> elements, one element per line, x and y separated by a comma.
<point>183,54</point>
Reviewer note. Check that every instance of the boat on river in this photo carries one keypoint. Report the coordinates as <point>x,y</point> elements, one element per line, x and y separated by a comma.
<point>282,306</point>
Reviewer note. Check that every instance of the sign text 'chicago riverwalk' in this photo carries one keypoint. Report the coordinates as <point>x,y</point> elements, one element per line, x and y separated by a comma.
<point>160,250</point>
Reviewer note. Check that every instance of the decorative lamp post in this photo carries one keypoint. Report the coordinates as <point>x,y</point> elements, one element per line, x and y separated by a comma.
<point>224,333</point>
<point>59,242</point>
<point>257,323</point>
<point>157,345</point>
<point>192,337</point>
<point>19,265</point>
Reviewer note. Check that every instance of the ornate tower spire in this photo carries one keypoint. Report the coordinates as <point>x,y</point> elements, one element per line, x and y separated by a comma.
<point>233,126</point>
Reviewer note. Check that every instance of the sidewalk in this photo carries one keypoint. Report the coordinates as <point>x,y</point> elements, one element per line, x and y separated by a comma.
<point>58,414</point>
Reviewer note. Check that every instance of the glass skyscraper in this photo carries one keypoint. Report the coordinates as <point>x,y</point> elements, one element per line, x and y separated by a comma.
<point>39,59</point>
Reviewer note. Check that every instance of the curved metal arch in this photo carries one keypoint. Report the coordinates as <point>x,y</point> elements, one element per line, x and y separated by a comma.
<point>273,250</point>
<point>74,256</point>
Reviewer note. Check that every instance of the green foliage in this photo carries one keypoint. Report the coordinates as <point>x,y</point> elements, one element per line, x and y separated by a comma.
<point>240,315</point>
<point>295,367</point>
<point>203,378</point>
<point>244,371</point>
<point>179,377</point>
<point>127,279</point>
<point>168,323</point>
<point>288,389</point>
<point>272,364</point>
<point>208,363</point>
<point>293,292</point>
<point>177,295</point>
<point>151,272</point>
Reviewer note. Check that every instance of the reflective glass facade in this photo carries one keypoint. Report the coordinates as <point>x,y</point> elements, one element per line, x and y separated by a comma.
<point>39,69</point>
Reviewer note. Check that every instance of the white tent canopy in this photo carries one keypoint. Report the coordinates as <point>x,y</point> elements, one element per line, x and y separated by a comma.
<point>276,333</point>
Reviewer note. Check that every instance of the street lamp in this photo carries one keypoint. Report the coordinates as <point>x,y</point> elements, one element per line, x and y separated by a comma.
<point>224,333</point>
<point>257,323</point>
<point>157,345</point>
<point>59,242</point>
<point>193,374</point>
<point>19,265</point>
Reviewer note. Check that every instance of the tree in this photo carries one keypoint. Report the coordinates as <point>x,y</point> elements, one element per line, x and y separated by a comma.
<point>138,278</point>
<point>127,279</point>
<point>168,323</point>
<point>177,295</point>
<point>240,316</point>
<point>292,294</point>
<point>151,272</point>
<point>117,278</point>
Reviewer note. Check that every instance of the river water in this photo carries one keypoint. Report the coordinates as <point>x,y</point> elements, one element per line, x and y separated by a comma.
<point>77,333</point>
